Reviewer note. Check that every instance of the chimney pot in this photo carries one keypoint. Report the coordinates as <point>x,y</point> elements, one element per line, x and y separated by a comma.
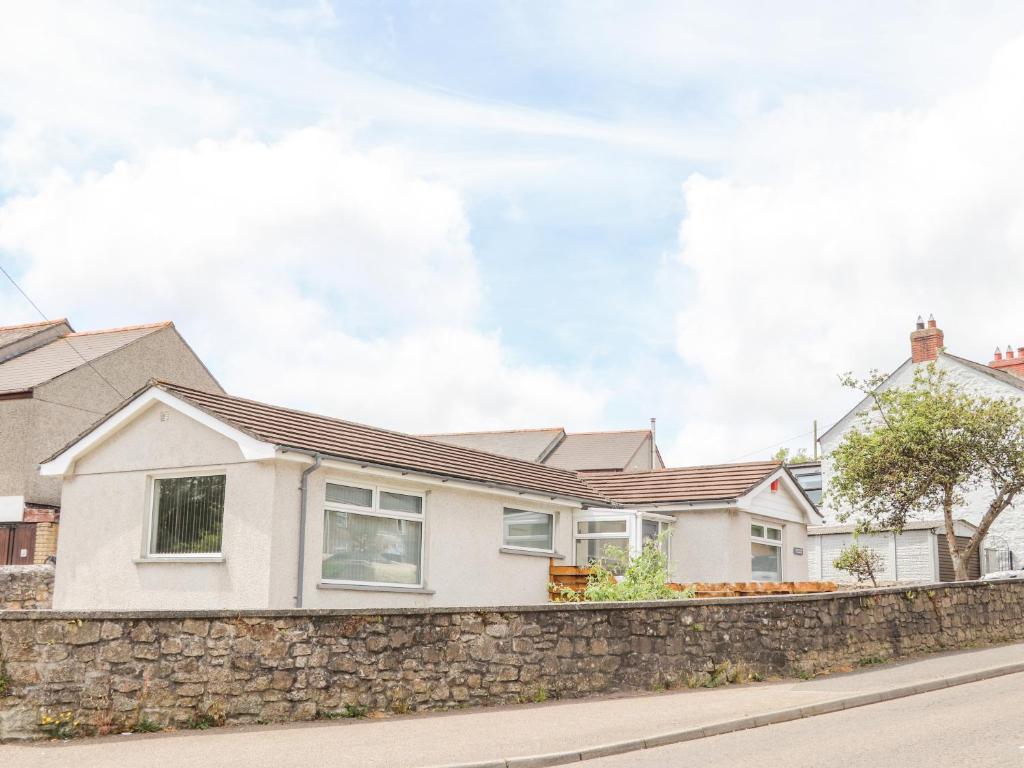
<point>925,343</point>
<point>1009,352</point>
<point>998,354</point>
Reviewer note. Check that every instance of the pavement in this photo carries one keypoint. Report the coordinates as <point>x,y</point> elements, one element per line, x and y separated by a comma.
<point>533,735</point>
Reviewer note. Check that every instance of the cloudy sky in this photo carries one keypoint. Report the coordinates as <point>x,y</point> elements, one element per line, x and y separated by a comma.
<point>461,215</point>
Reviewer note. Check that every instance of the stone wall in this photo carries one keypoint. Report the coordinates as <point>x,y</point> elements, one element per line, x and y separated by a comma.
<point>110,670</point>
<point>26,587</point>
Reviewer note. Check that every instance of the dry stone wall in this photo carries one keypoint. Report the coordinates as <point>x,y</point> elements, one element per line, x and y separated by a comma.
<point>26,587</point>
<point>111,670</point>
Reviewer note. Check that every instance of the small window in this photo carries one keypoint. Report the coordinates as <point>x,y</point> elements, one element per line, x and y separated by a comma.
<point>188,515</point>
<point>401,502</point>
<point>757,531</point>
<point>590,527</point>
<point>350,495</point>
<point>529,530</point>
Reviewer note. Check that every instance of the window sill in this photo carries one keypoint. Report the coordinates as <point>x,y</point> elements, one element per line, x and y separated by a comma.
<point>214,560</point>
<point>373,588</point>
<point>530,553</point>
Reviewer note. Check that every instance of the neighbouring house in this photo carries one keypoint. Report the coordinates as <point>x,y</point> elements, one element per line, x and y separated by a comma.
<point>54,383</point>
<point>918,554</point>
<point>187,497</point>
<point>726,522</point>
<point>1003,377</point>
<point>631,450</point>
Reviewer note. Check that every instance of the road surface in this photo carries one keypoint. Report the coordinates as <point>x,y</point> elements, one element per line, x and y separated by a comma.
<point>979,725</point>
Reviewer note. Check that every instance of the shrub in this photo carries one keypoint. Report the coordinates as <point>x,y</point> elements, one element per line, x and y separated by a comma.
<point>644,577</point>
<point>860,562</point>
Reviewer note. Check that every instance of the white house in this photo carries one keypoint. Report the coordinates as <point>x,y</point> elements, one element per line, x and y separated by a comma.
<point>918,554</point>
<point>189,498</point>
<point>1003,377</point>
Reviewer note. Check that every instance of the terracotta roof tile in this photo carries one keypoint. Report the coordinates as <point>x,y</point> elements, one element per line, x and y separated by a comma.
<point>716,482</point>
<point>380,447</point>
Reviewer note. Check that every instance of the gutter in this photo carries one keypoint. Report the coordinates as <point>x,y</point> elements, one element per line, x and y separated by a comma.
<point>318,461</point>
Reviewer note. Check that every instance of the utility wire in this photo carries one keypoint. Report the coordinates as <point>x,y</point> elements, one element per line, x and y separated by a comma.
<point>62,338</point>
<point>774,445</point>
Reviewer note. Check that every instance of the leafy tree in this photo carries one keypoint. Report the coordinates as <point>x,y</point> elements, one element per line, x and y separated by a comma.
<point>860,562</point>
<point>925,447</point>
<point>787,457</point>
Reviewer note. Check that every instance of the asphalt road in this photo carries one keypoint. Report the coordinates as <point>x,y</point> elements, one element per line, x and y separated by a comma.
<point>979,725</point>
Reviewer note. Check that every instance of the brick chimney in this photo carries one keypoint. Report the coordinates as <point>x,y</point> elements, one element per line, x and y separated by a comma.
<point>1009,362</point>
<point>925,342</point>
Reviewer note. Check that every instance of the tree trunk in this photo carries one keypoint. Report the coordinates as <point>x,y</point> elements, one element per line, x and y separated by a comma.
<point>959,562</point>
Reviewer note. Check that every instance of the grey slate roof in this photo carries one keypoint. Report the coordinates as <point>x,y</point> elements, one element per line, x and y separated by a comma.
<point>12,333</point>
<point>70,351</point>
<point>525,444</point>
<point>596,451</point>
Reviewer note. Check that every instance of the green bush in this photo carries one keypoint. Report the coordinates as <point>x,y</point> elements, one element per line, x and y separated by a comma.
<point>644,577</point>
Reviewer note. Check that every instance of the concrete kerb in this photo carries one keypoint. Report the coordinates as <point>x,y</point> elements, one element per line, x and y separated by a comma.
<point>744,723</point>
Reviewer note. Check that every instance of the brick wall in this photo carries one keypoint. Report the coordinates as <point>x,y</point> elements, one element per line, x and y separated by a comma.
<point>25,587</point>
<point>111,669</point>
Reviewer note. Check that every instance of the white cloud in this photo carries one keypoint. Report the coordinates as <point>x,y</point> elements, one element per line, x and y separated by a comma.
<point>832,229</point>
<point>305,271</point>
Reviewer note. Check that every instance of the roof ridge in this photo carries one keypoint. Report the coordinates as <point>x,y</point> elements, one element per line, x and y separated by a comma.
<point>33,325</point>
<point>489,432</point>
<point>609,432</point>
<point>168,384</point>
<point>667,470</point>
<point>139,327</point>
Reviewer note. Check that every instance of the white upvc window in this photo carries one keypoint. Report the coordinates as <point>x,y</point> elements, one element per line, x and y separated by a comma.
<point>601,538</point>
<point>656,528</point>
<point>528,530</point>
<point>373,536</point>
<point>765,551</point>
<point>186,515</point>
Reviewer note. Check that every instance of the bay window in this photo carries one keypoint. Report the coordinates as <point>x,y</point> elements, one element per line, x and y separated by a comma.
<point>372,536</point>
<point>765,552</point>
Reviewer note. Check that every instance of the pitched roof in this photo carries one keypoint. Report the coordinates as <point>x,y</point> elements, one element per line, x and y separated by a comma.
<point>596,451</point>
<point>70,351</point>
<point>12,333</point>
<point>716,482</point>
<point>525,444</point>
<point>347,440</point>
<point>1005,377</point>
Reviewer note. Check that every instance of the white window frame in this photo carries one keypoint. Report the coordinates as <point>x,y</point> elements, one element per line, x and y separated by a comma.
<point>504,530</point>
<point>374,510</point>
<point>778,543</point>
<point>665,522</point>
<point>150,528</point>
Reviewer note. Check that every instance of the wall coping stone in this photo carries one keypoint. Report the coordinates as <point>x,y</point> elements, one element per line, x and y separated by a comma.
<point>44,615</point>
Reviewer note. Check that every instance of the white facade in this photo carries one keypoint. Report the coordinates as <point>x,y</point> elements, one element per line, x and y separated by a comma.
<point>1009,527</point>
<point>104,559</point>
